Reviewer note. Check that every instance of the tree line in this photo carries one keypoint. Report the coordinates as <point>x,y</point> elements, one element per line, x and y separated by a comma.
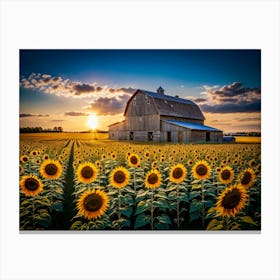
<point>39,129</point>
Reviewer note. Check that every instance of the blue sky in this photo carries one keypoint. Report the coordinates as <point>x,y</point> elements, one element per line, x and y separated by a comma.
<point>55,82</point>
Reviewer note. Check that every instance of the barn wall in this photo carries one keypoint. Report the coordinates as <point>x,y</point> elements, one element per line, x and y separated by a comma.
<point>141,105</point>
<point>144,123</point>
<point>143,136</point>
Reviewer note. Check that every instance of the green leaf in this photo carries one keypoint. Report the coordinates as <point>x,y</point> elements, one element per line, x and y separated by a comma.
<point>76,226</point>
<point>212,224</point>
<point>195,206</point>
<point>161,226</point>
<point>209,203</point>
<point>161,203</point>
<point>160,195</point>
<point>44,219</point>
<point>142,206</point>
<point>211,212</point>
<point>141,195</point>
<point>210,193</point>
<point>184,197</point>
<point>248,220</point>
<point>126,211</point>
<point>142,220</point>
<point>164,219</point>
<point>194,216</point>
<point>127,199</point>
<point>42,202</point>
<point>194,195</point>
<point>172,195</point>
<point>196,182</point>
<point>57,206</point>
<point>196,186</point>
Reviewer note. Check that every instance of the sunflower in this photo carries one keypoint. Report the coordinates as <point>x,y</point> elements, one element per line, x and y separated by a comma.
<point>24,158</point>
<point>51,169</point>
<point>153,179</point>
<point>87,172</point>
<point>231,201</point>
<point>33,153</point>
<point>190,162</point>
<point>119,177</point>
<point>46,156</point>
<point>21,169</point>
<point>201,170</point>
<point>247,178</point>
<point>92,204</point>
<point>177,173</point>
<point>133,160</point>
<point>31,185</point>
<point>226,175</point>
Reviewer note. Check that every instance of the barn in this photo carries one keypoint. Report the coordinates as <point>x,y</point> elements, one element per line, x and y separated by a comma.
<point>157,117</point>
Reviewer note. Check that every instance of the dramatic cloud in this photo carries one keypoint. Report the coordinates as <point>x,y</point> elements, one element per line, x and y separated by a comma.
<point>67,88</point>
<point>109,106</point>
<point>32,115</point>
<point>75,114</point>
<point>234,98</point>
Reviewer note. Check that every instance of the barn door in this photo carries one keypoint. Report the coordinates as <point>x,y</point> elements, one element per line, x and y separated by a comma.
<point>168,136</point>
<point>180,136</point>
<point>207,136</point>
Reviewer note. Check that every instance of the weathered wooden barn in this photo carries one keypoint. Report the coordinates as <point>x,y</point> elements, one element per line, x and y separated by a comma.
<point>155,116</point>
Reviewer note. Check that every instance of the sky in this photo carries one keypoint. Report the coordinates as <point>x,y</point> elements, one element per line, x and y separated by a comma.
<point>83,89</point>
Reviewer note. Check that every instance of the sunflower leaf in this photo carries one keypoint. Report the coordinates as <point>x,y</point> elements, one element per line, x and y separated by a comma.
<point>212,224</point>
<point>142,206</point>
<point>195,206</point>
<point>161,203</point>
<point>164,219</point>
<point>248,220</point>
<point>76,225</point>
<point>57,206</point>
<point>126,211</point>
<point>142,220</point>
<point>194,216</point>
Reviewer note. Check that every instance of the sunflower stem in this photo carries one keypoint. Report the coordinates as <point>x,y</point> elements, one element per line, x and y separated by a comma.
<point>203,205</point>
<point>152,210</point>
<point>178,206</point>
<point>119,204</point>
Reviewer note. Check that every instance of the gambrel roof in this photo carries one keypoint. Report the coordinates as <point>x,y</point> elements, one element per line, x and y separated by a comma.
<point>167,105</point>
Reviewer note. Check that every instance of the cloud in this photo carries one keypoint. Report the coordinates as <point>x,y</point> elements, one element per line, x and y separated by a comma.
<point>75,114</point>
<point>57,120</point>
<point>233,98</point>
<point>109,106</point>
<point>32,115</point>
<point>67,88</point>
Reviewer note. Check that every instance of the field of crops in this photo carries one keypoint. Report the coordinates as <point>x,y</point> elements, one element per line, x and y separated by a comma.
<point>70,181</point>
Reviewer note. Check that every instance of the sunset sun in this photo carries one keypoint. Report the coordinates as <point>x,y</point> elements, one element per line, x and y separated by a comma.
<point>92,122</point>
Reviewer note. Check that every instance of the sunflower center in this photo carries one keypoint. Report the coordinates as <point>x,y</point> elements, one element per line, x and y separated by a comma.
<point>201,169</point>
<point>93,202</point>
<point>119,177</point>
<point>51,169</point>
<point>231,199</point>
<point>24,159</point>
<point>246,178</point>
<point>153,178</point>
<point>31,184</point>
<point>177,173</point>
<point>87,172</point>
<point>225,174</point>
<point>133,160</point>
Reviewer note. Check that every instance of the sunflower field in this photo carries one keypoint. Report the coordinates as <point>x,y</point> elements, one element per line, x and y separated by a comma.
<point>82,184</point>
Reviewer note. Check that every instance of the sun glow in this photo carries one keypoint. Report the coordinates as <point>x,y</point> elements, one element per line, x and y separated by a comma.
<point>92,122</point>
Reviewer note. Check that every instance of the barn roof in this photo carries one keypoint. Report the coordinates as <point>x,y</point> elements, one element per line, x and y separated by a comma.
<point>172,106</point>
<point>192,126</point>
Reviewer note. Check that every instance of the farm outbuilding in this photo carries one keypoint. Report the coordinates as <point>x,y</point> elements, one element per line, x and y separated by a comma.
<point>157,117</point>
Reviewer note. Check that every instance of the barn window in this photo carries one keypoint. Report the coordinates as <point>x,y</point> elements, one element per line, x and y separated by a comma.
<point>148,102</point>
<point>150,136</point>
<point>171,105</point>
<point>112,134</point>
<point>131,135</point>
<point>134,102</point>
